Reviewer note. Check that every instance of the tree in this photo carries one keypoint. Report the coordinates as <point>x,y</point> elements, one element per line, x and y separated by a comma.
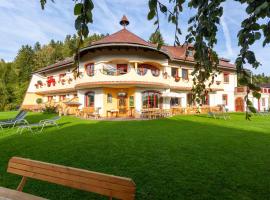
<point>156,38</point>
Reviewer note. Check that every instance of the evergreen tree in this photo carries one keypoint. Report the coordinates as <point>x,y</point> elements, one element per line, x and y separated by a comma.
<point>156,38</point>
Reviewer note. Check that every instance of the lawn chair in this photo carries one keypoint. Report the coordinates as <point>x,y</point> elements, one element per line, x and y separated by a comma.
<point>211,114</point>
<point>41,125</point>
<point>19,119</point>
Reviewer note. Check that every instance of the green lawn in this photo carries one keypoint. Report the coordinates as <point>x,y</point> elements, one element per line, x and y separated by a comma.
<point>184,157</point>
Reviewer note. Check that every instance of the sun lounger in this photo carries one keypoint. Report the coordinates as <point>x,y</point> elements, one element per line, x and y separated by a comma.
<point>41,125</point>
<point>19,119</point>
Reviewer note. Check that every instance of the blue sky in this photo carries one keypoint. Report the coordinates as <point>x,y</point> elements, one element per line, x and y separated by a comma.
<point>23,22</point>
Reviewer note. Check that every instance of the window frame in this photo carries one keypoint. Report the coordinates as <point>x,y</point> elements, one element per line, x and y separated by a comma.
<point>226,99</point>
<point>154,96</point>
<point>109,98</point>
<point>87,102</point>
<point>90,72</point>
<point>176,74</point>
<point>226,77</point>
<point>187,77</point>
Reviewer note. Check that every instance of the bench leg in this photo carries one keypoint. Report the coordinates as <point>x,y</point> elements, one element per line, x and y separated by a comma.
<point>22,183</point>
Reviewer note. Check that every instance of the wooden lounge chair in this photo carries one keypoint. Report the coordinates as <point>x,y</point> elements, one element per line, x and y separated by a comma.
<point>41,125</point>
<point>100,183</point>
<point>19,119</point>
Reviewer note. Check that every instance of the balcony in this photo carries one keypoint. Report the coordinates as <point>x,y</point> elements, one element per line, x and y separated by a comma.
<point>55,84</point>
<point>130,77</point>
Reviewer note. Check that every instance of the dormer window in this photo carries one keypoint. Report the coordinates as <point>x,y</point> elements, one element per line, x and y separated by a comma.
<point>189,52</point>
<point>90,69</point>
<point>185,74</point>
<point>226,78</point>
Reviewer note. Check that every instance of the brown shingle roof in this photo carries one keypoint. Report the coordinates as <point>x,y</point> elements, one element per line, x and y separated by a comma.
<point>61,63</point>
<point>179,53</point>
<point>123,36</point>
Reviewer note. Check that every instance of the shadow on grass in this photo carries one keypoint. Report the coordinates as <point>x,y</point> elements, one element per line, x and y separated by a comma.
<point>168,159</point>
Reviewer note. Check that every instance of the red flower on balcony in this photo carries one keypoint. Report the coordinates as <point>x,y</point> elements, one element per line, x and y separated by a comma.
<point>50,81</point>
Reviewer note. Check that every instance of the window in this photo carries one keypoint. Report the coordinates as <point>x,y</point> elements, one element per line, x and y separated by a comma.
<point>190,99</point>
<point>175,101</point>
<point>50,98</point>
<point>122,68</point>
<point>174,72</point>
<point>225,99</point>
<point>205,100</point>
<point>62,97</point>
<point>109,98</point>
<point>263,101</point>
<point>184,74</point>
<point>269,91</point>
<point>226,77</point>
<point>90,69</point>
<point>151,99</point>
<point>89,99</point>
<point>189,52</point>
<point>265,90</point>
<point>143,68</point>
<point>131,101</point>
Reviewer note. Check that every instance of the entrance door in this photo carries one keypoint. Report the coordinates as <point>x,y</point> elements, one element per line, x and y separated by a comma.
<point>239,104</point>
<point>122,103</point>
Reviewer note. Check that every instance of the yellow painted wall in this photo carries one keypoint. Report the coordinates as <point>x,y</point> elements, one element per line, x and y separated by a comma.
<point>114,92</point>
<point>30,99</point>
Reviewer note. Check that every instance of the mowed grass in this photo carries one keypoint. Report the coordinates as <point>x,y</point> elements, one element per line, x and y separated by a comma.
<point>184,157</point>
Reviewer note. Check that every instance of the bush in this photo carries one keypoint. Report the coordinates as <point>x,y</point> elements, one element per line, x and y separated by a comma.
<point>50,110</point>
<point>39,101</point>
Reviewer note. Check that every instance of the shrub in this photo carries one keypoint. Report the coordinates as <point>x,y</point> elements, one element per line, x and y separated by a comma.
<point>49,110</point>
<point>39,101</point>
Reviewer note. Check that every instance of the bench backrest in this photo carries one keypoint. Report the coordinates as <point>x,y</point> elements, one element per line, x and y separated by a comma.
<point>104,184</point>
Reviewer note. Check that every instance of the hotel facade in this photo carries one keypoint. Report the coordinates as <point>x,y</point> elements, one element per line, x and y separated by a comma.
<point>124,73</point>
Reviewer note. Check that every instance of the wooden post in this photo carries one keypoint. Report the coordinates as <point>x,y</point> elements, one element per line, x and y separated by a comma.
<point>22,183</point>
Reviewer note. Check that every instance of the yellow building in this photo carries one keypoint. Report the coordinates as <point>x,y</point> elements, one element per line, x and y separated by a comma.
<point>122,74</point>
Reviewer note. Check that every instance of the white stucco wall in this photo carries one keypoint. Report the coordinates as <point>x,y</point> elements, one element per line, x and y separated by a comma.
<point>98,98</point>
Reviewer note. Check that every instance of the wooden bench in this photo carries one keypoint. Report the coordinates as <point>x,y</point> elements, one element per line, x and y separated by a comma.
<point>104,184</point>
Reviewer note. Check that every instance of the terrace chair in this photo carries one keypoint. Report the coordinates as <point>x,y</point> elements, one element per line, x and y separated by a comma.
<point>41,125</point>
<point>19,119</point>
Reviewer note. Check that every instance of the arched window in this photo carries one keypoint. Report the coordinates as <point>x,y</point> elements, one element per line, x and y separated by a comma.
<point>90,69</point>
<point>151,99</point>
<point>142,69</point>
<point>89,99</point>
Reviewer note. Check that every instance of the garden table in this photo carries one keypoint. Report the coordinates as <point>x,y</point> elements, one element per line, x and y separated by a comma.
<point>9,194</point>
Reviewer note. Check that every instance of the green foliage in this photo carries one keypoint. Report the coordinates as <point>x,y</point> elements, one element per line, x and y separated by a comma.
<point>156,38</point>
<point>15,76</point>
<point>50,110</point>
<point>202,33</point>
<point>39,100</point>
